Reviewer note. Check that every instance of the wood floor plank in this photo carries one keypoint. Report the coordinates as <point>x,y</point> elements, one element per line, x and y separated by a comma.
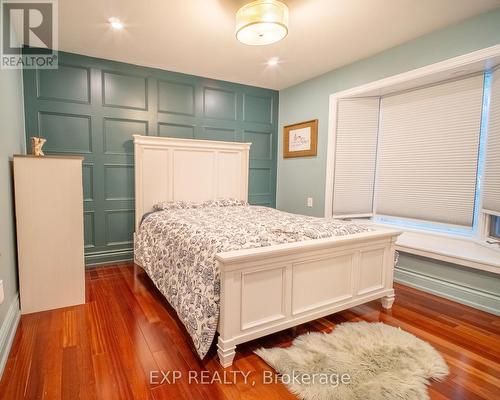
<point>22,363</point>
<point>86,378</point>
<point>39,359</point>
<point>53,365</point>
<point>69,327</point>
<point>70,382</point>
<point>108,348</point>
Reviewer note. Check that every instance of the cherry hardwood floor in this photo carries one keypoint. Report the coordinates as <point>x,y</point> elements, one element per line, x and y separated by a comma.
<point>114,346</point>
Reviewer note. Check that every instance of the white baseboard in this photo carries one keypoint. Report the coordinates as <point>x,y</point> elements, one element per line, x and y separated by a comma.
<point>461,294</point>
<point>8,331</point>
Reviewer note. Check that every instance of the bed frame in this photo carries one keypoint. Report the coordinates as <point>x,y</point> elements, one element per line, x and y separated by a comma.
<point>263,290</point>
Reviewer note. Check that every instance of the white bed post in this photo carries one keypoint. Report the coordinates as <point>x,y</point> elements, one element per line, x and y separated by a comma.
<point>388,300</point>
<point>225,352</point>
<point>226,349</point>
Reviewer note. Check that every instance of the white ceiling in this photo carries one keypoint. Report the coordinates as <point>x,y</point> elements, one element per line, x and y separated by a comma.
<point>197,36</point>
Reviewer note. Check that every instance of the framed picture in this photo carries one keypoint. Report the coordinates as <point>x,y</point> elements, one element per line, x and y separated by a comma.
<point>300,140</point>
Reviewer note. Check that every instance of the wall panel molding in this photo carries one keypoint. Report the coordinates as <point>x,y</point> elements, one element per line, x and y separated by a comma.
<point>219,103</point>
<point>93,107</point>
<point>119,182</point>
<point>262,144</point>
<point>122,90</point>
<point>176,130</point>
<point>89,228</point>
<point>176,98</point>
<point>88,182</point>
<point>118,228</point>
<point>65,133</point>
<point>260,181</point>
<point>72,79</point>
<point>117,134</point>
<point>213,133</point>
<point>257,109</point>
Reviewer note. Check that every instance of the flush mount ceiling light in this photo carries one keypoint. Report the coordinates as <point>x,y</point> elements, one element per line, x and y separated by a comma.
<point>262,22</point>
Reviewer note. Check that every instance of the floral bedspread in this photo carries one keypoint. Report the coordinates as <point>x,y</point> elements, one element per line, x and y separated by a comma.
<point>177,244</point>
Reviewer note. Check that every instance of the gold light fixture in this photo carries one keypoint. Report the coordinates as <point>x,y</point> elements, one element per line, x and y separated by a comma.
<point>262,22</point>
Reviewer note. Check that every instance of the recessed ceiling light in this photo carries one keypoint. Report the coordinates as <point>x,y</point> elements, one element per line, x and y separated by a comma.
<point>116,23</point>
<point>273,61</point>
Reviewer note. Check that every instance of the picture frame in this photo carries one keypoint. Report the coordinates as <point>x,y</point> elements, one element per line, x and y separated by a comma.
<point>300,140</point>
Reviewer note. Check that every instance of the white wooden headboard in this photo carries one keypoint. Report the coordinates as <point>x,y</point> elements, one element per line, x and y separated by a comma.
<point>169,169</point>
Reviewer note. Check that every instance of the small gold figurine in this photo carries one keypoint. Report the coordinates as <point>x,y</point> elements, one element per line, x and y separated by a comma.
<point>36,145</point>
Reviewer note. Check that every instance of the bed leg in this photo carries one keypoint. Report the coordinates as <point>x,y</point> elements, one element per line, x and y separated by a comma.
<point>226,353</point>
<point>388,300</point>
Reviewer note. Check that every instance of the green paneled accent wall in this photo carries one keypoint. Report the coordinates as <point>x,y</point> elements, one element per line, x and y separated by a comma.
<point>93,107</point>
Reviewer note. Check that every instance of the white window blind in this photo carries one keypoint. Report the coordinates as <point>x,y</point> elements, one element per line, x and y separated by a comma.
<point>355,156</point>
<point>491,188</point>
<point>427,162</point>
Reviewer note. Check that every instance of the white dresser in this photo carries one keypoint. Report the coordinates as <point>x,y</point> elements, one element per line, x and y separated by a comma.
<point>49,218</point>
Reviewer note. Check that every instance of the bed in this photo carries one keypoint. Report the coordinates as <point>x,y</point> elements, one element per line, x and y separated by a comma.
<point>244,271</point>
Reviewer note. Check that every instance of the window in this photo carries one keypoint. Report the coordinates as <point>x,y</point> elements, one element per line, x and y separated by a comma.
<point>495,227</point>
<point>411,155</point>
<point>354,170</point>
<point>426,158</point>
<point>428,152</point>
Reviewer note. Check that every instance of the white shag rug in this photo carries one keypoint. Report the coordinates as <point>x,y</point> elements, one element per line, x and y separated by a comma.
<point>382,363</point>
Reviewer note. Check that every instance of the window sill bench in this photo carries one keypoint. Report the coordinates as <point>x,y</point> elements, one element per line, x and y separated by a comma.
<point>453,250</point>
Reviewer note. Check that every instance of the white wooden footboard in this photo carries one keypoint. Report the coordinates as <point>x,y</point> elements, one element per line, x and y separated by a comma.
<point>266,290</point>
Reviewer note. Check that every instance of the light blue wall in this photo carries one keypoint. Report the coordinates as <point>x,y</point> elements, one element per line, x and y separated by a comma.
<point>305,177</point>
<point>11,142</point>
<point>475,288</point>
